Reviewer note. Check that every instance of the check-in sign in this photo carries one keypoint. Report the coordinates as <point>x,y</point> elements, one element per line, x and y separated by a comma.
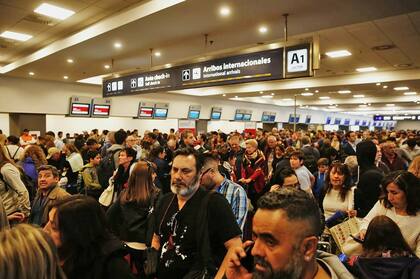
<point>297,61</point>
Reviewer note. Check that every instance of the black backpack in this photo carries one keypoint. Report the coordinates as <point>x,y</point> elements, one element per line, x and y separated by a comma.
<point>106,168</point>
<point>26,180</point>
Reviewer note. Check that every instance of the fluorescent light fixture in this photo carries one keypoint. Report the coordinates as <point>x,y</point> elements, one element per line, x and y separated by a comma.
<point>401,88</point>
<point>31,73</point>
<point>224,11</point>
<point>385,86</point>
<point>168,65</point>
<point>390,105</point>
<point>338,53</point>
<point>66,77</point>
<point>263,29</point>
<point>157,54</point>
<point>53,11</point>
<point>378,83</point>
<point>410,93</point>
<point>306,89</point>
<point>267,96</point>
<point>358,96</point>
<point>107,66</point>
<point>362,106</point>
<point>306,94</point>
<point>15,36</point>
<point>344,91</point>
<point>366,69</point>
<point>70,60</point>
<point>117,45</point>
<point>331,107</point>
<point>224,95</point>
<point>324,98</point>
<point>287,99</point>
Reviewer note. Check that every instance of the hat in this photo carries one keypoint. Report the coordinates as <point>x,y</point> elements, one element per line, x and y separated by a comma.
<point>52,151</point>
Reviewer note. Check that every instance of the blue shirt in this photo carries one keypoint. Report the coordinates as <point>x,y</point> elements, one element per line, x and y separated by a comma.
<point>237,199</point>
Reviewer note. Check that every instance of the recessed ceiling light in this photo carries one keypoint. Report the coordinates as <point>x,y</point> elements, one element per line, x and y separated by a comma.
<point>224,95</point>
<point>53,11</point>
<point>157,54</point>
<point>117,45</point>
<point>267,96</point>
<point>338,53</point>
<point>168,65</point>
<point>261,92</point>
<point>378,83</point>
<point>70,60</point>
<point>390,105</point>
<point>324,98</point>
<point>31,73</point>
<point>307,94</point>
<point>107,66</point>
<point>15,36</point>
<point>263,29</point>
<point>224,11</point>
<point>272,94</point>
<point>410,93</point>
<point>401,88</point>
<point>236,97</point>
<point>358,96</point>
<point>362,106</point>
<point>316,91</point>
<point>287,99</point>
<point>385,86</point>
<point>344,91</point>
<point>306,89</point>
<point>366,69</point>
<point>66,77</point>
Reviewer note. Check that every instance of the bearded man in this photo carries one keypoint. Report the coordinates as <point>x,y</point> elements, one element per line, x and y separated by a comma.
<point>177,223</point>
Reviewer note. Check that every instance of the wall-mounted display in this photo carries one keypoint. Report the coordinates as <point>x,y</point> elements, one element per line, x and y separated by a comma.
<point>101,107</point>
<point>80,106</point>
<point>216,113</point>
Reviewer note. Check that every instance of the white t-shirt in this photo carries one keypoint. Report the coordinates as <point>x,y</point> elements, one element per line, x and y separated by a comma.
<point>409,225</point>
<point>304,177</point>
<point>332,202</point>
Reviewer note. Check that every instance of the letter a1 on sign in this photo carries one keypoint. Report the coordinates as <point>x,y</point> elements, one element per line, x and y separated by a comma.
<point>297,60</point>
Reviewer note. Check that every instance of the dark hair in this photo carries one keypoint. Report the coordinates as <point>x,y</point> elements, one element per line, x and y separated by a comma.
<point>322,162</point>
<point>409,184</point>
<point>384,235</point>
<point>91,141</point>
<point>341,169</point>
<point>50,133</point>
<point>306,140</point>
<point>120,136</point>
<point>154,153</point>
<point>207,158</point>
<point>299,154</point>
<point>140,184</point>
<point>91,154</point>
<point>83,230</point>
<point>187,151</point>
<point>53,170</point>
<point>130,152</point>
<point>298,205</point>
<point>13,139</point>
<point>280,175</point>
<point>223,136</point>
<point>152,135</point>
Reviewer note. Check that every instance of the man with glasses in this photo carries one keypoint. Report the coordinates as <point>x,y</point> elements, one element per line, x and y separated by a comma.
<point>213,180</point>
<point>286,230</point>
<point>178,220</point>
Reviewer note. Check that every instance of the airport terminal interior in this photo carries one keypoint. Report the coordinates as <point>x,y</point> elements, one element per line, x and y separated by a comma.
<point>248,85</point>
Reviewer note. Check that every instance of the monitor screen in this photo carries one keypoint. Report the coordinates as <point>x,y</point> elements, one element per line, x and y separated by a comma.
<point>215,115</point>
<point>146,112</point>
<point>272,118</point>
<point>194,114</point>
<point>101,110</point>
<point>357,122</point>
<point>247,117</point>
<point>292,118</point>
<point>268,118</point>
<point>80,109</point>
<point>364,123</point>
<point>328,121</point>
<point>161,112</point>
<point>337,121</point>
<point>308,119</point>
<point>347,121</point>
<point>239,116</point>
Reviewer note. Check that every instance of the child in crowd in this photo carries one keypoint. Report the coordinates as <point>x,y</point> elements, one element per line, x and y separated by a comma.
<point>320,177</point>
<point>90,175</point>
<point>305,177</point>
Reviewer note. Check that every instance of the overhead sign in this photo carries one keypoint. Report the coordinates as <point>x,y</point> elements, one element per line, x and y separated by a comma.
<point>395,117</point>
<point>258,66</point>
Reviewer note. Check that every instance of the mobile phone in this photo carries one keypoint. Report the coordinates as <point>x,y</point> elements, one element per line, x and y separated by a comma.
<point>248,260</point>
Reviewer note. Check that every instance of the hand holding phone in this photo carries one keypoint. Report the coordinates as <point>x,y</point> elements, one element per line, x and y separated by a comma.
<point>248,261</point>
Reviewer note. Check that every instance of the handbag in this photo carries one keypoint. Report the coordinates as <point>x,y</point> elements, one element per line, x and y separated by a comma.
<point>343,231</point>
<point>203,243</point>
<point>107,196</point>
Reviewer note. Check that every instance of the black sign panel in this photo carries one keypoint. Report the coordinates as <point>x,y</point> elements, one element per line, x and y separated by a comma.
<point>259,66</point>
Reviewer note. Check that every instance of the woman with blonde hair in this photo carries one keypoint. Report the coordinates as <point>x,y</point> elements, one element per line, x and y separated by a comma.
<point>414,167</point>
<point>27,252</point>
<point>33,158</point>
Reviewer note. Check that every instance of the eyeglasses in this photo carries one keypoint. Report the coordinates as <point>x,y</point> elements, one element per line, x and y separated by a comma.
<point>206,171</point>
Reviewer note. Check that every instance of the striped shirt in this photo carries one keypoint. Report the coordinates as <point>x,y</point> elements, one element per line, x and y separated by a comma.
<point>237,199</point>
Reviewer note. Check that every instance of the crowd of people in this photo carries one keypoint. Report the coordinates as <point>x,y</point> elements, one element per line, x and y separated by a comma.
<point>179,205</point>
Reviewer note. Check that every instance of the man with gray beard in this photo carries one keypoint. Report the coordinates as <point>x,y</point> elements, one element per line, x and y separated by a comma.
<point>177,223</point>
<point>286,229</point>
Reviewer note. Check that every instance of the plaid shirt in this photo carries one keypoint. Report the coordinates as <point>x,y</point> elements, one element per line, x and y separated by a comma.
<point>237,199</point>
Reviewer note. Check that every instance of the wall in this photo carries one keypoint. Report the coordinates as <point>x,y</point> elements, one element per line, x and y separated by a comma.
<point>408,125</point>
<point>52,98</point>
<point>4,123</point>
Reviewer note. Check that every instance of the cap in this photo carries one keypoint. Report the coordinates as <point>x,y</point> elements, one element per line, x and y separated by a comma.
<point>52,151</point>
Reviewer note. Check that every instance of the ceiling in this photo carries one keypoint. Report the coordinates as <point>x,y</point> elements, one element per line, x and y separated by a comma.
<point>383,34</point>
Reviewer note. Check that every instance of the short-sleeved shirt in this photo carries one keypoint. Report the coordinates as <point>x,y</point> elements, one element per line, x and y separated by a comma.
<point>177,231</point>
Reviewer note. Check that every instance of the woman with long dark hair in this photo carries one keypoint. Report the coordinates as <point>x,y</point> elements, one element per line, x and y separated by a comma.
<point>400,201</point>
<point>157,156</point>
<point>86,247</point>
<point>126,158</point>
